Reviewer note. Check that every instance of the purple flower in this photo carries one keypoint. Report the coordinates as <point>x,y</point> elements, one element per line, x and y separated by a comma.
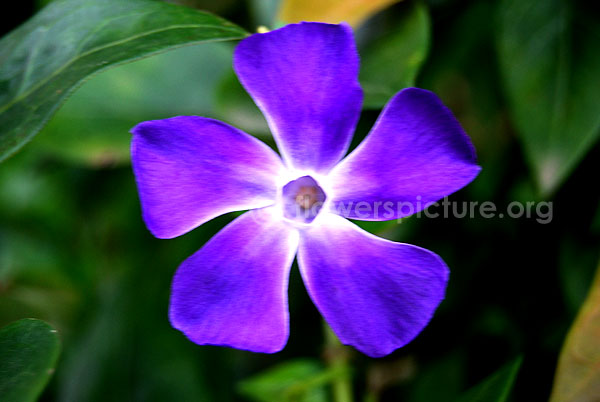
<point>376,295</point>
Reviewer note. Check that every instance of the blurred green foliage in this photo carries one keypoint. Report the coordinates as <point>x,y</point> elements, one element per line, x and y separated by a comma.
<point>89,129</point>
<point>74,250</point>
<point>393,56</point>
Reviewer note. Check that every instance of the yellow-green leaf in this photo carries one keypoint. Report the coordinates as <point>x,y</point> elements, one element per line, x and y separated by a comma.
<point>578,373</point>
<point>353,12</point>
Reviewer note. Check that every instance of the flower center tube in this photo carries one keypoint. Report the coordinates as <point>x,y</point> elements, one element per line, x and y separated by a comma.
<point>302,198</point>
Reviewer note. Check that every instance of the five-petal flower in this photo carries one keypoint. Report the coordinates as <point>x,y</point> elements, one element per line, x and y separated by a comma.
<point>376,295</point>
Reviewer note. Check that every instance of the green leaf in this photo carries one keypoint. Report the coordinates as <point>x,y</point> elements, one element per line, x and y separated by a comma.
<point>549,63</point>
<point>28,352</point>
<point>45,59</point>
<point>392,62</point>
<point>295,380</point>
<point>578,372</point>
<point>495,388</point>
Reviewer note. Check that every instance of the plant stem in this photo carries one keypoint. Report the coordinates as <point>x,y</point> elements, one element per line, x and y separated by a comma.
<point>337,358</point>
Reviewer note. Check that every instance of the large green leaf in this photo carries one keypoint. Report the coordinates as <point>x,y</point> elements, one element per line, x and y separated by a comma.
<point>42,61</point>
<point>496,387</point>
<point>28,352</point>
<point>391,62</point>
<point>549,60</point>
<point>578,373</point>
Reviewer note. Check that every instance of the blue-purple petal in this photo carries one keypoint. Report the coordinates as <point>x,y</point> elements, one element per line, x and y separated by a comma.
<point>304,78</point>
<point>375,294</point>
<point>191,169</point>
<point>233,291</point>
<point>416,154</point>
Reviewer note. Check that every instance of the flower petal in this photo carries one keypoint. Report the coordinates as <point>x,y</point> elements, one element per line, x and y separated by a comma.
<point>304,78</point>
<point>375,294</point>
<point>416,154</point>
<point>191,169</point>
<point>233,291</point>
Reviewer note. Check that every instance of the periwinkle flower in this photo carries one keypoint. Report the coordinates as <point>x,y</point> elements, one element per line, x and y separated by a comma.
<point>376,295</point>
